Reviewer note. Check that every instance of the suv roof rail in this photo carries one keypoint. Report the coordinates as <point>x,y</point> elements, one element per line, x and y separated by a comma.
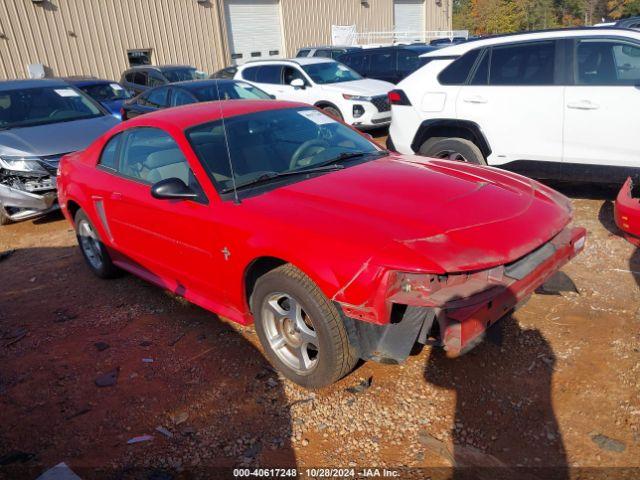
<point>552,30</point>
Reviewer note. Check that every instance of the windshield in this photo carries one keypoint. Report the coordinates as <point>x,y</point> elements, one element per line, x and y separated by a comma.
<point>180,74</point>
<point>273,142</point>
<point>330,72</point>
<point>106,92</point>
<point>25,107</point>
<point>228,91</point>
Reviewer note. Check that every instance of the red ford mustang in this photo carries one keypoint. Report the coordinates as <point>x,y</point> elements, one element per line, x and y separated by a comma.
<point>274,213</point>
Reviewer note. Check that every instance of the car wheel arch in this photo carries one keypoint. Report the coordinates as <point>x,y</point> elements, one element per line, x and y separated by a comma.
<point>444,127</point>
<point>324,278</point>
<point>325,103</point>
<point>254,270</point>
<point>72,208</point>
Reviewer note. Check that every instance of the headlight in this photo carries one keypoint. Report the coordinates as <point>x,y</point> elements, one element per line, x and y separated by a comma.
<point>22,164</point>
<point>356,98</point>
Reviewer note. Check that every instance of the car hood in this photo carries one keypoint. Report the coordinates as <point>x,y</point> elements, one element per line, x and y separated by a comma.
<point>408,212</point>
<point>366,86</point>
<point>55,138</point>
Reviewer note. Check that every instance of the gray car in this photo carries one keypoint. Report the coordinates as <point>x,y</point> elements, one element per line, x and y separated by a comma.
<point>41,120</point>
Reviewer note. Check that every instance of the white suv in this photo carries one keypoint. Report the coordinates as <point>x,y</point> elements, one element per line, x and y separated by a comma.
<point>553,104</point>
<point>325,83</point>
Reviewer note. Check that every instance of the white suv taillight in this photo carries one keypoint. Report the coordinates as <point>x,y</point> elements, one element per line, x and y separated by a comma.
<point>398,97</point>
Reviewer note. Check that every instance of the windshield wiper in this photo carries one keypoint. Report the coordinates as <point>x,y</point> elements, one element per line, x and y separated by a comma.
<point>268,177</point>
<point>348,156</point>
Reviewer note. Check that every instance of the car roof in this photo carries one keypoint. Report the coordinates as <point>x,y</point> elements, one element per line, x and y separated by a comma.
<point>331,47</point>
<point>298,60</point>
<point>198,113</point>
<point>188,84</point>
<point>83,82</point>
<point>462,48</point>
<point>32,83</point>
<point>416,48</point>
<point>157,67</point>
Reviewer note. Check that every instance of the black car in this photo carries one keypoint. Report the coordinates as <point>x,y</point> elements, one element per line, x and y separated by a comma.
<point>391,64</point>
<point>446,41</point>
<point>139,79</point>
<point>183,93</point>
<point>325,52</point>
<point>629,22</point>
<point>229,72</point>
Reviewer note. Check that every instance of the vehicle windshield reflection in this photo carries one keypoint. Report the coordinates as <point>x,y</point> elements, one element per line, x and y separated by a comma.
<point>275,143</point>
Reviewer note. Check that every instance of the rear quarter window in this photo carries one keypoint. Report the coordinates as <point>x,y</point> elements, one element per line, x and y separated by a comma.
<point>458,71</point>
<point>250,73</point>
<point>109,158</point>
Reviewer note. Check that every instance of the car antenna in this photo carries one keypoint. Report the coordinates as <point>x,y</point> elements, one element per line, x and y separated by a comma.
<point>236,199</point>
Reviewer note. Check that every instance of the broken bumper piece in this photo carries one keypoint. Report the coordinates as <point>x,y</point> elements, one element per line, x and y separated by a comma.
<point>627,210</point>
<point>455,310</point>
<point>27,204</point>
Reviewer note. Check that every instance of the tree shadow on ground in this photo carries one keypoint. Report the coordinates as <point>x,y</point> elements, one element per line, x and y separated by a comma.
<point>176,366</point>
<point>505,425</point>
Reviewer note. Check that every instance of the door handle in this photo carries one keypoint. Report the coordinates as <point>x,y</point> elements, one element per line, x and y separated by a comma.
<point>116,195</point>
<point>583,105</point>
<point>475,99</point>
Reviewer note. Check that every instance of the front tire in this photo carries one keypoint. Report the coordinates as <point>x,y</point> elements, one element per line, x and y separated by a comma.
<point>459,149</point>
<point>333,111</point>
<point>301,331</point>
<point>93,250</point>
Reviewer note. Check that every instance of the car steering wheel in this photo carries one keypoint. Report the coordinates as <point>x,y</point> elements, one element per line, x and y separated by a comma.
<point>302,149</point>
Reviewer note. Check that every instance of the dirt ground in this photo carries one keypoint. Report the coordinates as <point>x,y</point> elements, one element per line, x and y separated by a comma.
<point>552,393</point>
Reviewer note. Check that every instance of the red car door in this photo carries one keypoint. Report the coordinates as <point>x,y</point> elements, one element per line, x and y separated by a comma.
<point>169,242</point>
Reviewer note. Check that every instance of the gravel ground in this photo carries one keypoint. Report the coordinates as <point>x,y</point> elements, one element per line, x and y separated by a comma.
<point>554,385</point>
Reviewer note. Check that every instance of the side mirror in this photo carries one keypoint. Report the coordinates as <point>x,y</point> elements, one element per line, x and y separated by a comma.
<point>297,83</point>
<point>172,189</point>
<point>272,96</point>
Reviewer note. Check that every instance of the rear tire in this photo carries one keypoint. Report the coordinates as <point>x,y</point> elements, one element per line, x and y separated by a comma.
<point>333,111</point>
<point>4,216</point>
<point>454,148</point>
<point>301,331</point>
<point>93,250</point>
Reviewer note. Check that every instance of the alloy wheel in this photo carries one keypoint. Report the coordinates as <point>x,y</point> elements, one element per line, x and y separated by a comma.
<point>290,332</point>
<point>90,244</point>
<point>450,155</point>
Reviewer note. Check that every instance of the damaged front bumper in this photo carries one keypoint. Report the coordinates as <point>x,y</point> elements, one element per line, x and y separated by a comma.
<point>26,195</point>
<point>455,310</point>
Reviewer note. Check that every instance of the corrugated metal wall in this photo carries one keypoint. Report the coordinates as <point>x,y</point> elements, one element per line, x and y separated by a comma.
<point>91,37</point>
<point>308,22</point>
<point>73,37</point>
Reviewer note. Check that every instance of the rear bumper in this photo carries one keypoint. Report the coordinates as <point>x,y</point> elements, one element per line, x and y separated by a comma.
<point>627,212</point>
<point>462,319</point>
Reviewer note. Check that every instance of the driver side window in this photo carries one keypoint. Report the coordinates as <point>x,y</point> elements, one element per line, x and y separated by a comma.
<point>291,73</point>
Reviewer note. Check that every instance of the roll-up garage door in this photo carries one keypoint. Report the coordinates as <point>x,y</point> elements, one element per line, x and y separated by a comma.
<point>254,29</point>
<point>408,15</point>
